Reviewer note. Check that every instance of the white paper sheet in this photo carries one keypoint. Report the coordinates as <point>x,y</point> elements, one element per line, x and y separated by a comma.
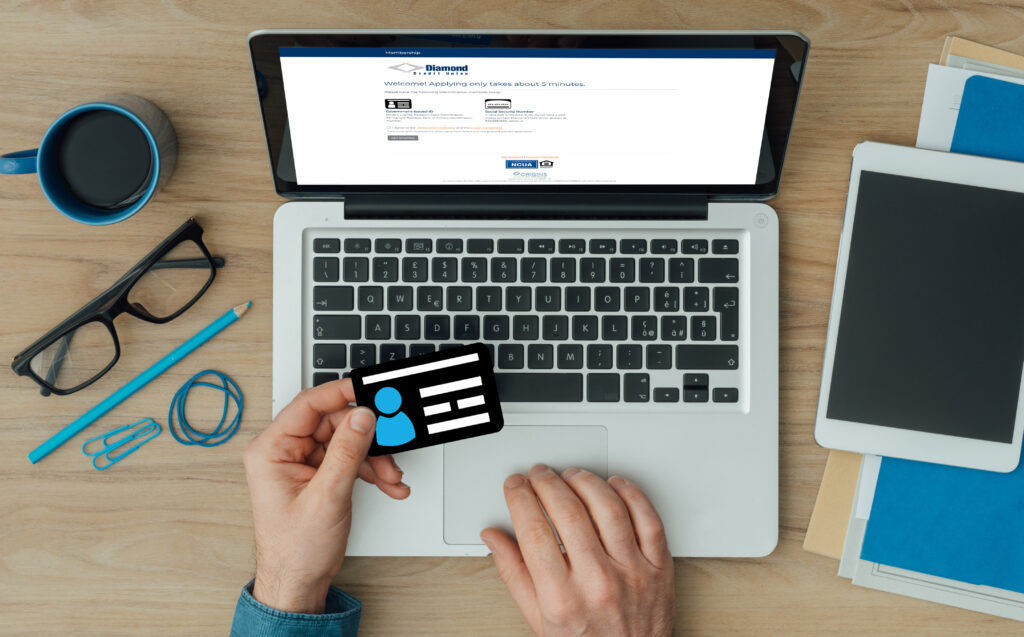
<point>941,104</point>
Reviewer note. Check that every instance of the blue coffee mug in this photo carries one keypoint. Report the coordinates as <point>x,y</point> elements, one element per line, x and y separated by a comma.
<point>163,146</point>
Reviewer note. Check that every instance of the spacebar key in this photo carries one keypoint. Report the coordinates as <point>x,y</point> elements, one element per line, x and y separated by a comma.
<point>540,388</point>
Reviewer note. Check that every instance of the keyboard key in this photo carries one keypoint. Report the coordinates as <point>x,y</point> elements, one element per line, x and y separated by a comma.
<point>666,299</point>
<point>496,327</point>
<point>703,328</point>
<point>525,328</point>
<point>325,269</point>
<point>488,299</point>
<point>549,299</point>
<point>319,378</point>
<point>572,246</point>
<point>414,269</point>
<point>730,325</point>
<point>327,298</point>
<point>726,302</point>
<point>407,327</point>
<point>510,357</point>
<point>370,298</point>
<point>602,246</point>
<point>629,356</point>
<point>385,269</point>
<point>718,270</point>
<point>664,246</point>
<point>419,246</point>
<point>680,270</point>
<point>614,328</point>
<point>444,269</point>
<point>570,357</point>
<point>695,381</point>
<point>474,269</point>
<point>637,299</point>
<point>652,270</point>
<point>645,328</point>
<point>387,245</point>
<point>429,298</point>
<point>420,349</point>
<point>357,246</point>
<point>545,387</point>
<point>356,269</point>
<point>503,270</point>
<point>466,327</point>
<point>541,246</point>
<point>633,246</point>
<point>480,246</point>
<point>695,246</point>
<point>436,327</point>
<point>443,346</point>
<point>726,298</point>
<point>599,356</point>
<point>391,352</point>
<point>331,327</point>
<point>725,395</point>
<point>592,270</point>
<point>725,246</point>
<point>707,357</point>
<point>666,395</point>
<point>577,299</point>
<point>518,299</point>
<point>540,357</point>
<point>622,271</point>
<point>363,355</point>
<point>603,388</point>
<point>399,298</point>
<point>607,299</point>
<point>584,328</point>
<point>449,246</point>
<point>510,246</point>
<point>326,245</point>
<point>563,270</point>
<point>695,395</point>
<point>329,355</point>
<point>636,388</point>
<point>696,299</point>
<point>460,298</point>
<point>673,328</point>
<point>556,327</point>
<point>534,270</point>
<point>659,357</point>
<point>378,326</point>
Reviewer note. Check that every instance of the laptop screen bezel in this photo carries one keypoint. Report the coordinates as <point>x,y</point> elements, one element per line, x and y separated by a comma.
<point>790,60</point>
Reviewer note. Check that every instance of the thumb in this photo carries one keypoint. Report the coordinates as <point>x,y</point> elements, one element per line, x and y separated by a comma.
<point>513,573</point>
<point>346,452</point>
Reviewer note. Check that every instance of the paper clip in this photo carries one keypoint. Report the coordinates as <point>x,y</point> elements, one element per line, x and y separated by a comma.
<point>139,432</point>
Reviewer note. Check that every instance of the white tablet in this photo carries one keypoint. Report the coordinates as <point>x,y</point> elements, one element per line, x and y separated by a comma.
<point>925,345</point>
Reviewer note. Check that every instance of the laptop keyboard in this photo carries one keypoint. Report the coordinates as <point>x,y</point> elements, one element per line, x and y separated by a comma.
<point>646,319</point>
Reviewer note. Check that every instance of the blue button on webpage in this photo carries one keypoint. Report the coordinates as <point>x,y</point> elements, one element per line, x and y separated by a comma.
<point>520,163</point>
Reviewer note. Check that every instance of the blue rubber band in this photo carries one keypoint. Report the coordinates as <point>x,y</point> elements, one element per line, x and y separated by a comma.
<point>224,430</point>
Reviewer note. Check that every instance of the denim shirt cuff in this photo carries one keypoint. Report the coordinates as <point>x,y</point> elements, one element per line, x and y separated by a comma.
<point>255,619</point>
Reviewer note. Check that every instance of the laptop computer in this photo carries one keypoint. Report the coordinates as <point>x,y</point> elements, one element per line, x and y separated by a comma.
<point>587,204</point>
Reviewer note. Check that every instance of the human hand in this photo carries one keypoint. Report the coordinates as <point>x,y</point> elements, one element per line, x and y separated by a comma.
<point>301,471</point>
<point>616,575</point>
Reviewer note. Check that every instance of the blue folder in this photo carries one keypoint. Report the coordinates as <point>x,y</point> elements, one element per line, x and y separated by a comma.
<point>961,524</point>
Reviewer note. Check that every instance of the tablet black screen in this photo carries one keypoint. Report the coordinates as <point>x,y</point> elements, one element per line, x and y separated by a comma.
<point>931,331</point>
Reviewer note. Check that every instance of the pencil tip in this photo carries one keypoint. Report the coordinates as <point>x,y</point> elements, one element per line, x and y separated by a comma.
<point>240,310</point>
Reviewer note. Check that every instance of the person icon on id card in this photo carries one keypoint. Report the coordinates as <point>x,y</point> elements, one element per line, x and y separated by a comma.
<point>393,426</point>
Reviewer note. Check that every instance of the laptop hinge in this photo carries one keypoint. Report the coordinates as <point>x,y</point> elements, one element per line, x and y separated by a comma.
<point>524,206</point>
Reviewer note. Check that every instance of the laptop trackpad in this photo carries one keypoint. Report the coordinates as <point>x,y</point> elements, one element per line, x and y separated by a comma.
<point>475,470</point>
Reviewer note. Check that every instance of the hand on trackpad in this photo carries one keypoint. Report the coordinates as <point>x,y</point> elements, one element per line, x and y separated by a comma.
<point>475,470</point>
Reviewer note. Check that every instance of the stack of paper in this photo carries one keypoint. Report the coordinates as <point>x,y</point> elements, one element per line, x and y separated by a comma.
<point>944,534</point>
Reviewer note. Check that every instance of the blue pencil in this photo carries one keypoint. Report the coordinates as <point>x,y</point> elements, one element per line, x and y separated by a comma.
<point>138,382</point>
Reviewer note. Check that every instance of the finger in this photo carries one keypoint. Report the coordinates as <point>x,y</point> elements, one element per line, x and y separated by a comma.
<point>609,513</point>
<point>302,416</point>
<point>569,516</point>
<point>536,540</point>
<point>386,468</point>
<point>397,490</point>
<point>512,571</point>
<point>346,452</point>
<point>650,532</point>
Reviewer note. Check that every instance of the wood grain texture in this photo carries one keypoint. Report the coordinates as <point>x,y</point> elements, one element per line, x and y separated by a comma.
<point>162,545</point>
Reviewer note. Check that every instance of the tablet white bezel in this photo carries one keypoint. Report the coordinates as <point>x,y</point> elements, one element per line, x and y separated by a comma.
<point>889,441</point>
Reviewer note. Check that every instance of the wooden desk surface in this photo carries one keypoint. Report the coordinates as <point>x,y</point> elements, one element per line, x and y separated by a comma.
<point>162,544</point>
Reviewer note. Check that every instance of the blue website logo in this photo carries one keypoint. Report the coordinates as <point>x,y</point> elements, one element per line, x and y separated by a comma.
<point>521,163</point>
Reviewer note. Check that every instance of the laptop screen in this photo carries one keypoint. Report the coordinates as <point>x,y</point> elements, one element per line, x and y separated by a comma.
<point>422,116</point>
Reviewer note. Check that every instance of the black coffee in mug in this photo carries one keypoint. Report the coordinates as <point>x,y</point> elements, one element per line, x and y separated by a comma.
<point>105,159</point>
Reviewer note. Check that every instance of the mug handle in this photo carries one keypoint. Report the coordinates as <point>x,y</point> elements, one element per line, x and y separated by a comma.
<point>19,163</point>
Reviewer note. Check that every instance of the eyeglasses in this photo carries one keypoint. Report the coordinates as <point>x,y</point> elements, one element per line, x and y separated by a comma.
<point>158,289</point>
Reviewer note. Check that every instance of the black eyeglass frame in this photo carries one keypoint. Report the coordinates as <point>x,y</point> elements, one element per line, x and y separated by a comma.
<point>113,302</point>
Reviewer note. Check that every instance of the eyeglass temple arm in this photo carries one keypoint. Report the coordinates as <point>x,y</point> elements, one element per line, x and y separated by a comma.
<point>186,263</point>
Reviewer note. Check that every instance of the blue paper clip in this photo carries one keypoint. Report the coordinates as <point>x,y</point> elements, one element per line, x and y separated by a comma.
<point>139,432</point>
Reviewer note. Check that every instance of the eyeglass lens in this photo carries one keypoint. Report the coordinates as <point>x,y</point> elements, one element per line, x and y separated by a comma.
<point>76,357</point>
<point>172,282</point>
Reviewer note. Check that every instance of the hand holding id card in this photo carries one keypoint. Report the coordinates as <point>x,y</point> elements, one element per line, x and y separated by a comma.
<point>430,399</point>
